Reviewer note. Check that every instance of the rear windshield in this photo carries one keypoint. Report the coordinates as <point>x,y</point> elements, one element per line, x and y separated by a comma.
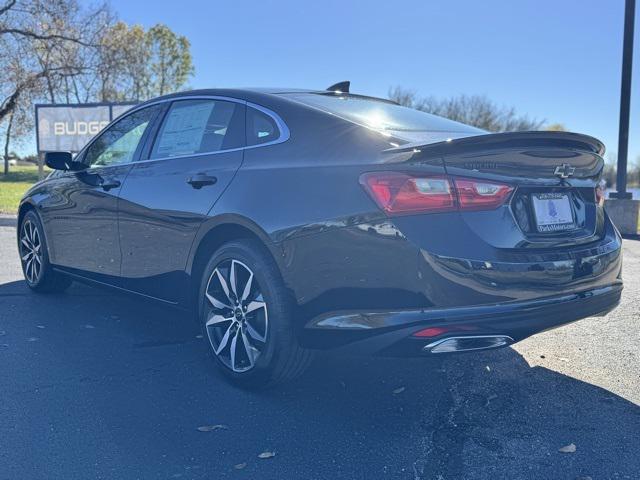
<point>380,115</point>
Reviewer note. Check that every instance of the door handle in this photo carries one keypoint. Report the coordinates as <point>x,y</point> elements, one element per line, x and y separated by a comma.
<point>109,184</point>
<point>199,180</point>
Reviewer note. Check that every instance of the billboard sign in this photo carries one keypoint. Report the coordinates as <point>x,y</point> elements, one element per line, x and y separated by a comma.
<point>69,127</point>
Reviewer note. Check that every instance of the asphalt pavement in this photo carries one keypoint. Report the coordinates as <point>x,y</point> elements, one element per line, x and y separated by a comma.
<point>98,385</point>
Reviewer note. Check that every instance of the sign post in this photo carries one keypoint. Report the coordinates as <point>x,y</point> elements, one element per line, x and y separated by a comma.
<point>625,101</point>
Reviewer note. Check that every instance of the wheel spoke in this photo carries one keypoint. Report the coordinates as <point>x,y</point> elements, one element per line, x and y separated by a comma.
<point>225,340</point>
<point>223,284</point>
<point>255,305</point>
<point>234,343</point>
<point>248,348</point>
<point>217,303</point>
<point>233,278</point>
<point>29,269</point>
<point>247,288</point>
<point>254,333</point>
<point>217,319</point>
<point>26,256</point>
<point>25,242</point>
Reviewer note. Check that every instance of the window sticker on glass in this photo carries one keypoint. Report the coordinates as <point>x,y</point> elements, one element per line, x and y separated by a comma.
<point>184,128</point>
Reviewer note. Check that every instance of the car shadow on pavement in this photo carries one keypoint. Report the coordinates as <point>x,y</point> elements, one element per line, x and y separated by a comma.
<point>99,384</point>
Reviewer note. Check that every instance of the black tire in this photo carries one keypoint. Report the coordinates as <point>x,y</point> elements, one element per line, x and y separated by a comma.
<point>280,358</point>
<point>38,272</point>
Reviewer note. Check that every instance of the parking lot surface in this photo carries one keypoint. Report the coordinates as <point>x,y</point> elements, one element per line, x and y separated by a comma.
<point>95,384</point>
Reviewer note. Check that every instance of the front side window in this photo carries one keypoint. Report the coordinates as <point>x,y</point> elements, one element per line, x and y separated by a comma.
<point>200,126</point>
<point>118,144</point>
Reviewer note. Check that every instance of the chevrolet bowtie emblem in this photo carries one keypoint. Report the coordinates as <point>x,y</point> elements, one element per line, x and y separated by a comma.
<point>564,171</point>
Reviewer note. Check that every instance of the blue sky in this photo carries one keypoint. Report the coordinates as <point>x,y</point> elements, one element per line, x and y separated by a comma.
<point>555,60</point>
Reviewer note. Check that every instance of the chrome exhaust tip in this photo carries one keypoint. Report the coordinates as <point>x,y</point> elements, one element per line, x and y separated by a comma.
<point>468,343</point>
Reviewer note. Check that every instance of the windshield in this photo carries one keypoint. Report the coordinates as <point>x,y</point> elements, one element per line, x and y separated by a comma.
<point>380,114</point>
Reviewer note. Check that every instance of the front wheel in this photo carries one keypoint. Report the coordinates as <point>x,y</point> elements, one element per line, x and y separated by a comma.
<point>34,257</point>
<point>247,317</point>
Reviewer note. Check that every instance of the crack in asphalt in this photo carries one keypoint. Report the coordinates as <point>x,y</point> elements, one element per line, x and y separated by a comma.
<point>444,443</point>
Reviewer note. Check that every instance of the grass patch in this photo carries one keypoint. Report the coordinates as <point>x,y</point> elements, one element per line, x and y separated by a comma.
<point>13,186</point>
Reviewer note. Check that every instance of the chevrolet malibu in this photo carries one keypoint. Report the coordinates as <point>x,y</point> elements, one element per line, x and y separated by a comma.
<point>294,220</point>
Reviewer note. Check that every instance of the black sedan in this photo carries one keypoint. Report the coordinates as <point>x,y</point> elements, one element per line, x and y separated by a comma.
<point>292,220</point>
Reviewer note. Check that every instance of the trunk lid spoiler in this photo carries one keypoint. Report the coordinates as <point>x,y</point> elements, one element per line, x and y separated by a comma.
<point>532,156</point>
<point>447,140</point>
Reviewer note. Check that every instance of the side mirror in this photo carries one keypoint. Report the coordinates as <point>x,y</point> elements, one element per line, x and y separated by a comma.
<point>61,161</point>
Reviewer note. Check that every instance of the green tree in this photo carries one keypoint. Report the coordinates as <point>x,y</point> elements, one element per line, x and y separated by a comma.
<point>555,127</point>
<point>135,64</point>
<point>171,63</point>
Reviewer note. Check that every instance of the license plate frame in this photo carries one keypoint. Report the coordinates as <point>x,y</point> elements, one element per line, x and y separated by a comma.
<point>553,212</point>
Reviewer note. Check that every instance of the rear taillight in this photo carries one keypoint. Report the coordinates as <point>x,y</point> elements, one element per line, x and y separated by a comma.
<point>475,195</point>
<point>398,193</point>
<point>401,193</point>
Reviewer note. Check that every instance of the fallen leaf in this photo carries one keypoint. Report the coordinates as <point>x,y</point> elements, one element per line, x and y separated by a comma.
<point>211,428</point>
<point>490,398</point>
<point>571,448</point>
<point>240,466</point>
<point>542,356</point>
<point>267,454</point>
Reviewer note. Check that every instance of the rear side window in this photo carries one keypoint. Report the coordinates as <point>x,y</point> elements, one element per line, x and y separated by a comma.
<point>261,128</point>
<point>199,126</point>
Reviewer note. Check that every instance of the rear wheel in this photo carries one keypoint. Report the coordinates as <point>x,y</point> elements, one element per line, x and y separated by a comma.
<point>38,272</point>
<point>247,317</point>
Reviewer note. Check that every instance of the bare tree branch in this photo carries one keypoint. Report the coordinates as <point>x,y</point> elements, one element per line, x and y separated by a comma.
<point>7,7</point>
<point>476,110</point>
<point>38,36</point>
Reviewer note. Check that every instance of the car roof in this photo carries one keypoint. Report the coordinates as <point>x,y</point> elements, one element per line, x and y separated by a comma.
<point>241,93</point>
<point>250,94</point>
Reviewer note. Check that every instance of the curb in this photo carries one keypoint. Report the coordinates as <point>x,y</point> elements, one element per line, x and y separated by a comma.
<point>7,220</point>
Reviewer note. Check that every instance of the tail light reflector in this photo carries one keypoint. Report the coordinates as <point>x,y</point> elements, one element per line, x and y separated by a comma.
<point>430,332</point>
<point>401,193</point>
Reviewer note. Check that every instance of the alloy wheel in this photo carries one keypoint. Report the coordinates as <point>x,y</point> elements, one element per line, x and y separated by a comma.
<point>31,251</point>
<point>236,317</point>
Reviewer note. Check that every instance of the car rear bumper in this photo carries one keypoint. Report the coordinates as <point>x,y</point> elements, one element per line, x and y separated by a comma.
<point>393,332</point>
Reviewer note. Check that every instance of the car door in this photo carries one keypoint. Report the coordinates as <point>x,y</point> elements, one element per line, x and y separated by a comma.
<point>81,215</point>
<point>167,194</point>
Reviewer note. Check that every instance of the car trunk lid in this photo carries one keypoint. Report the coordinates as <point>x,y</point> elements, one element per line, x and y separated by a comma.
<point>554,174</point>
